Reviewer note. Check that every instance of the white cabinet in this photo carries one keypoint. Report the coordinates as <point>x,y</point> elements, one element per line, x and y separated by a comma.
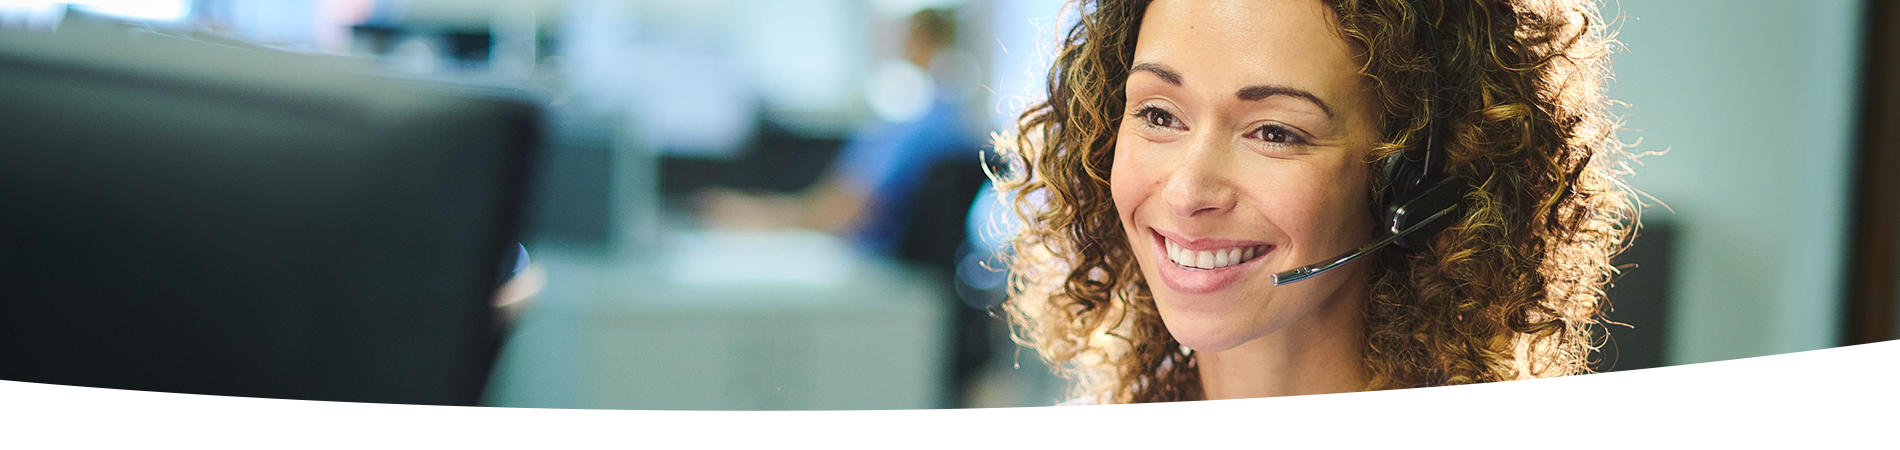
<point>714,324</point>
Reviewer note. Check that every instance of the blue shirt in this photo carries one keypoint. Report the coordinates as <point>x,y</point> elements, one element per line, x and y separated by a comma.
<point>889,161</point>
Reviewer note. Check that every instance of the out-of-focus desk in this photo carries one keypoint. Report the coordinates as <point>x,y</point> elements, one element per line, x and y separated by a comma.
<point>728,321</point>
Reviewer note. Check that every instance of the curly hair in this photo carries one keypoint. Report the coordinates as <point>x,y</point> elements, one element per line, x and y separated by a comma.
<point>1508,291</point>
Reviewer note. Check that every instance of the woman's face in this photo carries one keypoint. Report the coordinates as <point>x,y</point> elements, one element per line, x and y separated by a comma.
<point>1243,153</point>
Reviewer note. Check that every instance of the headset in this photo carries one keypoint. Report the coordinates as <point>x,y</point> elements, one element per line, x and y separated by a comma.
<point>1421,198</point>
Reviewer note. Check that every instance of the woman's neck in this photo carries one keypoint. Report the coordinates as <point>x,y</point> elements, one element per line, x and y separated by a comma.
<point>1321,353</point>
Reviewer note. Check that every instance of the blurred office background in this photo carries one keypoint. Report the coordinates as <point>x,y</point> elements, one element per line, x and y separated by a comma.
<point>1755,112</point>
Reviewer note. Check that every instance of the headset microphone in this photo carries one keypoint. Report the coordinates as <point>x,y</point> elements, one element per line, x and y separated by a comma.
<point>1421,195</point>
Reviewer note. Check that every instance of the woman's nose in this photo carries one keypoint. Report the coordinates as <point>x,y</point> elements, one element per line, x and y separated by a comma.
<point>1199,185</point>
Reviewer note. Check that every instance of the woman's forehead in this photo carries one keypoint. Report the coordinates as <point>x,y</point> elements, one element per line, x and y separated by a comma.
<point>1234,44</point>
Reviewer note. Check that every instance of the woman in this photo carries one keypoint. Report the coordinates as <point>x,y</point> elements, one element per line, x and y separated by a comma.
<point>1191,151</point>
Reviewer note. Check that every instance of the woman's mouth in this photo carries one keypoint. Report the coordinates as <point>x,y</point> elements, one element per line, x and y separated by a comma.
<point>1211,259</point>
<point>1204,266</point>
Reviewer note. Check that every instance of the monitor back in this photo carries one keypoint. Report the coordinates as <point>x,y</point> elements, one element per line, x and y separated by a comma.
<point>189,217</point>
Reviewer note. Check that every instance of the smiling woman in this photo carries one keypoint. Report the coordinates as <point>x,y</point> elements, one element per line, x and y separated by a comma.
<point>1189,151</point>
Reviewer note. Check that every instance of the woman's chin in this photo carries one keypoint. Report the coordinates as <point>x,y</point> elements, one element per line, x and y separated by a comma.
<point>1209,323</point>
<point>1203,336</point>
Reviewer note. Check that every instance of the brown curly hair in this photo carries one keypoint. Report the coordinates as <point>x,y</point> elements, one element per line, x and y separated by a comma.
<point>1509,291</point>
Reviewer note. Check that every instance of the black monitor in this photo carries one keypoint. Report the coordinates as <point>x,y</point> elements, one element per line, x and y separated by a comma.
<point>194,217</point>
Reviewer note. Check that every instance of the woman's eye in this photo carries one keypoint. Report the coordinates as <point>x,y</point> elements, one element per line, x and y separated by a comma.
<point>1276,134</point>
<point>1157,117</point>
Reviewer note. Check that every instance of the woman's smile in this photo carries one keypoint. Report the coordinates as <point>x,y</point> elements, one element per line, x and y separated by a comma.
<point>1205,265</point>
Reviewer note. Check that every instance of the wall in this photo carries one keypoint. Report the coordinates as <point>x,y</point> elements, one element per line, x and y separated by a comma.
<point>1754,103</point>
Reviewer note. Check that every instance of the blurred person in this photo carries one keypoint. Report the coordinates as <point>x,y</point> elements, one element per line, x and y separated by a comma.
<point>864,196</point>
<point>1195,159</point>
<point>874,193</point>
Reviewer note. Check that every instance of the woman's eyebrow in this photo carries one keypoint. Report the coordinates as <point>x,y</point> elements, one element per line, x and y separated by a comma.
<point>1253,93</point>
<point>1159,70</point>
<point>1249,93</point>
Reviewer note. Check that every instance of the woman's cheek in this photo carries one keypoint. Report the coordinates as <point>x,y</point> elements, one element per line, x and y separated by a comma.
<point>1125,204</point>
<point>1304,214</point>
<point>1127,178</point>
<point>1118,184</point>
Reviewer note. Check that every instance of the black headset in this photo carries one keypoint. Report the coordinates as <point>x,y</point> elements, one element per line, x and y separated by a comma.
<point>1420,189</point>
<point>1421,198</point>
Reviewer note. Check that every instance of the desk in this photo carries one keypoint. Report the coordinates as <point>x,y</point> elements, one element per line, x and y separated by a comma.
<point>729,322</point>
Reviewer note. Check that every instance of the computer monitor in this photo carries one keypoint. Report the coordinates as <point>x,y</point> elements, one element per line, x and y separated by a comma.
<point>191,217</point>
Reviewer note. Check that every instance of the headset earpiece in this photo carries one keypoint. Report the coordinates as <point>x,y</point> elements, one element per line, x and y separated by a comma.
<point>1420,189</point>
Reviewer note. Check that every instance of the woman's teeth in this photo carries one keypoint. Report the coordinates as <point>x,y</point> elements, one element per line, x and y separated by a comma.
<point>1212,259</point>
